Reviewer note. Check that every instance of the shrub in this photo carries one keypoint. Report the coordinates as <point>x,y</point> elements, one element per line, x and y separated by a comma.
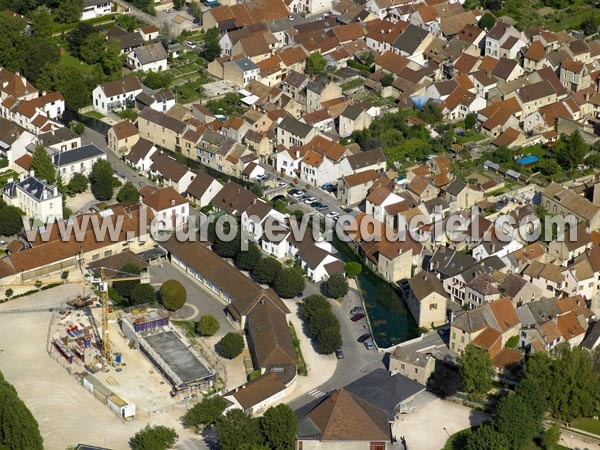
<point>207,326</point>
<point>231,345</point>
<point>142,293</point>
<point>173,295</point>
<point>266,270</point>
<point>353,269</point>
<point>289,283</point>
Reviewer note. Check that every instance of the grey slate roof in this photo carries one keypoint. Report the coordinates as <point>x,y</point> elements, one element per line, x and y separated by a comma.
<point>57,136</point>
<point>245,64</point>
<point>361,160</point>
<point>295,127</point>
<point>77,154</point>
<point>32,185</point>
<point>410,39</point>
<point>384,390</point>
<point>150,53</point>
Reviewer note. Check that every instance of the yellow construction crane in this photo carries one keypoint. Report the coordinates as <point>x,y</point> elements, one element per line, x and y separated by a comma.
<point>142,277</point>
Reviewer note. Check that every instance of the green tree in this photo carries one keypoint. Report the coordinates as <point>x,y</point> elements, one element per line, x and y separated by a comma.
<point>570,150</point>
<point>248,259</point>
<point>101,180</point>
<point>289,283</point>
<point>78,36</point>
<point>316,64</point>
<point>279,426</point>
<point>353,269</point>
<point>142,293</point>
<point>548,167</point>
<point>231,345</point>
<point>487,21</point>
<point>238,430</point>
<point>212,47</point>
<point>11,221</point>
<point>43,23</point>
<point>207,325</point>
<point>112,60</point>
<point>266,270</point>
<point>124,288</point>
<point>128,193</point>
<point>42,165</point>
<point>336,286</point>
<point>387,79</point>
<point>69,11</point>
<point>486,438</point>
<point>227,248</point>
<point>158,80</point>
<point>92,48</point>
<point>206,412</point>
<point>155,437</point>
<point>18,428</point>
<point>476,369</point>
<point>127,22</point>
<point>74,83</point>
<point>178,4</point>
<point>470,121</point>
<point>550,437</point>
<point>329,339</point>
<point>589,26</point>
<point>173,295</point>
<point>78,184</point>
<point>514,421</point>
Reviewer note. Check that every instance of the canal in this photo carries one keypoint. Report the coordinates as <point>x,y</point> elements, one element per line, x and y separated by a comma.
<point>390,319</point>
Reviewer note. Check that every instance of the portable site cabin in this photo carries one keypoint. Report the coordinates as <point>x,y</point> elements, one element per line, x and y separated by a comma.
<point>121,407</point>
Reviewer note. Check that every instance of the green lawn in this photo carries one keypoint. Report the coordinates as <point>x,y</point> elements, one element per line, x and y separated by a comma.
<point>587,424</point>
<point>70,60</point>
<point>95,114</point>
<point>5,176</point>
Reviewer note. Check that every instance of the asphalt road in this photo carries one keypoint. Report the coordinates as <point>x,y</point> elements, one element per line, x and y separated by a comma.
<point>357,361</point>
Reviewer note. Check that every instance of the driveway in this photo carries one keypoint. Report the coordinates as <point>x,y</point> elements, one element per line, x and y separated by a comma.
<point>199,300</point>
<point>358,361</point>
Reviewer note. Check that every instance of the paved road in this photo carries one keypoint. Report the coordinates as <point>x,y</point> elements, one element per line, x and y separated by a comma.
<point>357,361</point>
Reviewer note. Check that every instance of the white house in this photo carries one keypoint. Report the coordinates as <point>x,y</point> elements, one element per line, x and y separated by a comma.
<point>149,58</point>
<point>203,189</point>
<point>255,217</point>
<point>116,95</point>
<point>169,207</point>
<point>35,197</point>
<point>79,160</point>
<point>141,154</point>
<point>96,8</point>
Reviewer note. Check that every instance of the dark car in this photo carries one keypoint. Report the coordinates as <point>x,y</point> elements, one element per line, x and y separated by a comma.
<point>339,353</point>
<point>356,310</point>
<point>357,317</point>
<point>364,337</point>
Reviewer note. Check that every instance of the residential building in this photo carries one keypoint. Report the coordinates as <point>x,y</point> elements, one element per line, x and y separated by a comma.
<point>116,95</point>
<point>96,8</point>
<point>171,211</point>
<point>37,199</point>
<point>78,160</point>
<point>427,300</point>
<point>149,58</point>
<point>412,364</point>
<point>123,136</point>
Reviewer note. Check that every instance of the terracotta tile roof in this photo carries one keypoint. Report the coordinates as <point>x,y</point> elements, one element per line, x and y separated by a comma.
<point>536,51</point>
<point>164,198</point>
<point>385,31</point>
<point>458,97</point>
<point>507,357</point>
<point>15,84</point>
<point>125,129</point>
<point>507,138</point>
<point>488,64</point>
<point>488,338</point>
<point>360,178</point>
<point>469,33</point>
<point>569,325</point>
<point>572,66</point>
<point>464,82</point>
<point>24,161</point>
<point>453,24</point>
<point>258,390</point>
<point>466,63</point>
<point>427,13</point>
<point>392,62</point>
<point>505,313</point>
<point>346,417</point>
<point>349,32</point>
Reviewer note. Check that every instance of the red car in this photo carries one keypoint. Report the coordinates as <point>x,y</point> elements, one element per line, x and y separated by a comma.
<point>357,317</point>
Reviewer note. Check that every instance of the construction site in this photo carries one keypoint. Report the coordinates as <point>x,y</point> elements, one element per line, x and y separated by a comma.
<point>110,352</point>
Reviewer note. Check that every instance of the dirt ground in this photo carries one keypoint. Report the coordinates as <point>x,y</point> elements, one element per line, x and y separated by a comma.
<point>433,421</point>
<point>66,413</point>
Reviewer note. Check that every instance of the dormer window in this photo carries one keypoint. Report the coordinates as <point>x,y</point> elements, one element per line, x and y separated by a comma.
<point>172,202</point>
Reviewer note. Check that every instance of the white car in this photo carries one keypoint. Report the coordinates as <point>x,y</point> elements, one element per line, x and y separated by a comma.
<point>190,44</point>
<point>167,10</point>
<point>332,215</point>
<point>310,199</point>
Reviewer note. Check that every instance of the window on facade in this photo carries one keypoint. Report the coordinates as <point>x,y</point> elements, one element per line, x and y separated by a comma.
<point>377,446</point>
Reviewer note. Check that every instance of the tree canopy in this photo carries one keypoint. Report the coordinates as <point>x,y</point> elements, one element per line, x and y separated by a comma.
<point>101,180</point>
<point>476,369</point>
<point>289,282</point>
<point>173,295</point>
<point>212,47</point>
<point>316,64</point>
<point>279,426</point>
<point>142,293</point>
<point>206,412</point>
<point>266,270</point>
<point>155,437</point>
<point>207,325</point>
<point>336,286</point>
<point>238,430</point>
<point>78,184</point>
<point>42,165</point>
<point>128,193</point>
<point>571,150</point>
<point>248,259</point>
<point>321,323</point>
<point>18,428</point>
<point>231,345</point>
<point>11,221</point>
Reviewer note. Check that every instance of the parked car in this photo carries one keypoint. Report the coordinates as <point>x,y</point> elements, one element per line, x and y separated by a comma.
<point>364,337</point>
<point>190,44</point>
<point>333,215</point>
<point>310,199</point>
<point>318,205</point>
<point>303,198</point>
<point>328,187</point>
<point>348,210</point>
<point>369,344</point>
<point>356,310</point>
<point>357,317</point>
<point>167,10</point>
<point>321,208</point>
<point>339,353</point>
<point>296,193</point>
